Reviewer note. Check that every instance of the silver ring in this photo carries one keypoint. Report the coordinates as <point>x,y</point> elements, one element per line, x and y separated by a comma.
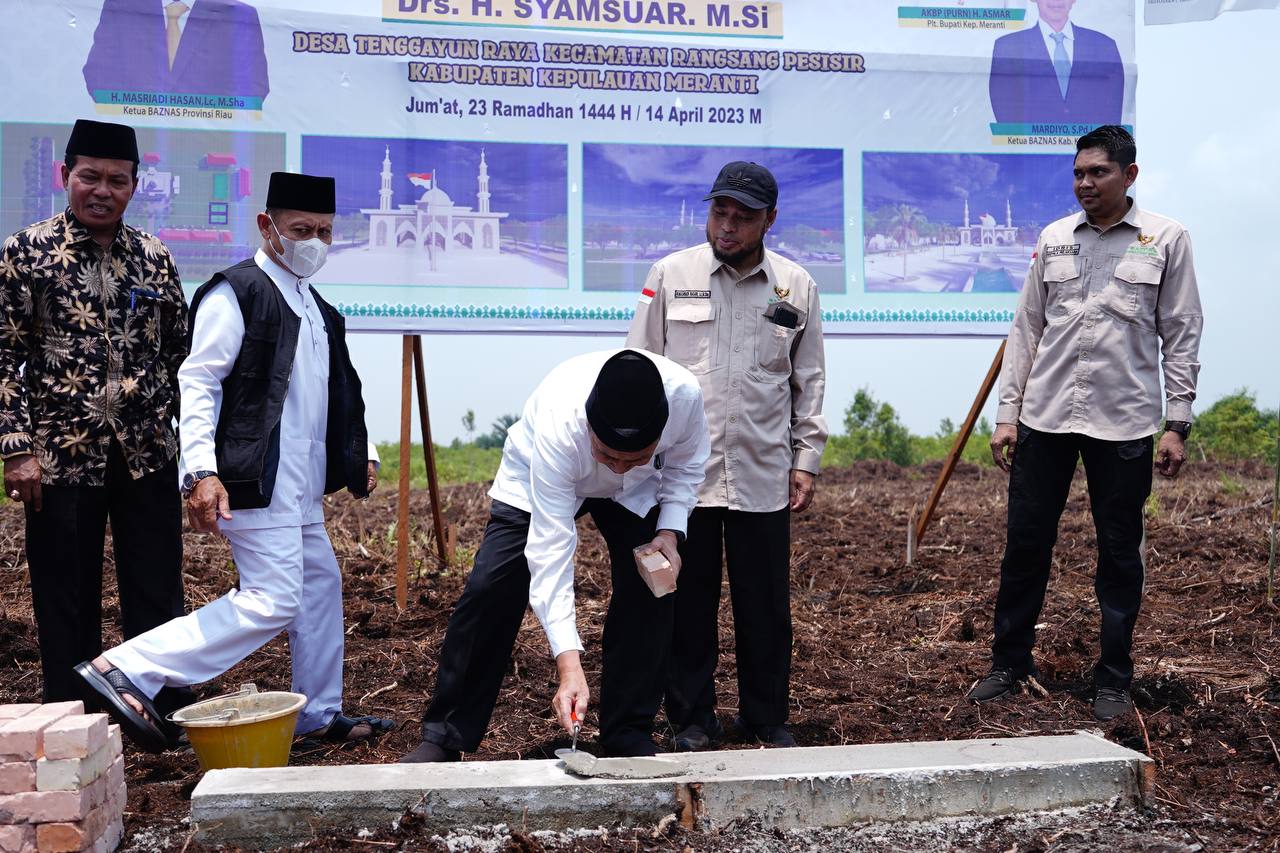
<point>15,494</point>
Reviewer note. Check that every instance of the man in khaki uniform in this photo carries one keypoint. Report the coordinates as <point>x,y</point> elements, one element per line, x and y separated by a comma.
<point>747,323</point>
<point>1109,291</point>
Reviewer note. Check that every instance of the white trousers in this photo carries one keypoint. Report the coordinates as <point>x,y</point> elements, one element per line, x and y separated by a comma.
<point>289,580</point>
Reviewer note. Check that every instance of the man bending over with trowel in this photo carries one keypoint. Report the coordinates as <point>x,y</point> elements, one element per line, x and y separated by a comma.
<point>620,435</point>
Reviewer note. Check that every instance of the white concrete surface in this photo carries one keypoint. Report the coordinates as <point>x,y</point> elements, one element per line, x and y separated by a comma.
<point>813,786</point>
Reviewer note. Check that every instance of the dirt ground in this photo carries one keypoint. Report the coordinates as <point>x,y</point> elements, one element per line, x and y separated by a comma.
<point>883,652</point>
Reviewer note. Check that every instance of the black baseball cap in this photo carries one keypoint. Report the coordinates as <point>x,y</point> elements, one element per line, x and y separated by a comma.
<point>748,183</point>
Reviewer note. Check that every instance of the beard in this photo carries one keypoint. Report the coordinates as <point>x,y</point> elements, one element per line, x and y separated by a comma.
<point>733,259</point>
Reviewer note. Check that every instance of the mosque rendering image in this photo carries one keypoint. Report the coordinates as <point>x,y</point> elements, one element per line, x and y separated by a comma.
<point>434,223</point>
<point>435,241</point>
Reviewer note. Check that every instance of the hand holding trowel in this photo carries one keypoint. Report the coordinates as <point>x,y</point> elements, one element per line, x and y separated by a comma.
<point>585,764</point>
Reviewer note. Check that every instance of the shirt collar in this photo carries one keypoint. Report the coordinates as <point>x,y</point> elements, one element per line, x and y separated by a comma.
<point>1069,31</point>
<point>77,233</point>
<point>278,273</point>
<point>1131,218</point>
<point>763,268</point>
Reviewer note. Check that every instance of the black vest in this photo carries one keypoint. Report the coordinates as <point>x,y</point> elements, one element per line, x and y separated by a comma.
<point>247,439</point>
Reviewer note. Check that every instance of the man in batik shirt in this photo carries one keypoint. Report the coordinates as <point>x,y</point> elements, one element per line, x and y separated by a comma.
<point>92,330</point>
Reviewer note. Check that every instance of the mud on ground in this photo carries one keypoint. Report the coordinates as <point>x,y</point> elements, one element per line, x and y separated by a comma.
<point>883,652</point>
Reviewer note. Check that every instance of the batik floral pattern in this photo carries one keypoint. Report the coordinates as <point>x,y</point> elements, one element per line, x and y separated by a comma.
<point>90,344</point>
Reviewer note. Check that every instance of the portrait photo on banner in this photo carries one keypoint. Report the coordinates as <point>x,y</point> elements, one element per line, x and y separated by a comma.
<point>642,202</point>
<point>957,223</point>
<point>445,213</point>
<point>210,48</point>
<point>1056,71</point>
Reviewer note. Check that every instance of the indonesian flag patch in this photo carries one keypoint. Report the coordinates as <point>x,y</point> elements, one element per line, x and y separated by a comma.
<point>646,296</point>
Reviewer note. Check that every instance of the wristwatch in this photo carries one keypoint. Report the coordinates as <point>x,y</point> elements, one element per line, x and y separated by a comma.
<point>1182,428</point>
<point>193,477</point>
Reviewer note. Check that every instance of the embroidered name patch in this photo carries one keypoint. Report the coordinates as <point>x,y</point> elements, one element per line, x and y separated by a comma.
<point>1148,251</point>
<point>1065,249</point>
<point>693,294</point>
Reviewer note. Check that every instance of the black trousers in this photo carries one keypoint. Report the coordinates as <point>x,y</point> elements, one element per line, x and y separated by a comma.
<point>1119,477</point>
<point>757,552</point>
<point>482,632</point>
<point>65,542</point>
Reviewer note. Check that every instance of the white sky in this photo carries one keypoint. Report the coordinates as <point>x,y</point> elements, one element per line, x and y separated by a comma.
<point>1208,132</point>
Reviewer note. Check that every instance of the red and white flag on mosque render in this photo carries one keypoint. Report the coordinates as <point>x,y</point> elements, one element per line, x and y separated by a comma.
<point>421,179</point>
<point>1181,11</point>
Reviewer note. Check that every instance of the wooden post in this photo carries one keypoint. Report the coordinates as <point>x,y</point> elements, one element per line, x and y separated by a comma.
<point>429,454</point>
<point>1275,517</point>
<point>949,467</point>
<point>402,519</point>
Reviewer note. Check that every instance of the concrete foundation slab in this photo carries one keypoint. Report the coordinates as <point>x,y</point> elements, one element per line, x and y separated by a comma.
<point>787,788</point>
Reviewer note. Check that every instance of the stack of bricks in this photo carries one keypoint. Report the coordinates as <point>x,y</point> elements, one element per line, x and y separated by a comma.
<point>61,780</point>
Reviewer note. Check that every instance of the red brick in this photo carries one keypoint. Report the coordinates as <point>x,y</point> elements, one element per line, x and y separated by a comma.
<point>17,777</point>
<point>12,712</point>
<point>52,806</point>
<point>17,839</point>
<point>115,774</point>
<point>110,839</point>
<point>656,572</point>
<point>75,737</point>
<point>72,774</point>
<point>78,835</point>
<point>21,737</point>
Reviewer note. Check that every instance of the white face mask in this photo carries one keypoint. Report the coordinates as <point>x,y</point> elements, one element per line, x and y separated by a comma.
<point>303,257</point>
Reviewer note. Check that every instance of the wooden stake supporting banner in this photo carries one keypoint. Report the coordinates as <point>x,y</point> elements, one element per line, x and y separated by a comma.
<point>917,526</point>
<point>429,454</point>
<point>412,367</point>
<point>402,517</point>
<point>1275,518</point>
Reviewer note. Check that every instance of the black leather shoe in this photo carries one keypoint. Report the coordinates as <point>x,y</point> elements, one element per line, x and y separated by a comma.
<point>779,736</point>
<point>694,738</point>
<point>996,684</point>
<point>430,753</point>
<point>1111,702</point>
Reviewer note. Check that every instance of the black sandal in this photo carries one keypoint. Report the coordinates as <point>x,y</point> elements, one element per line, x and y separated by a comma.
<point>341,726</point>
<point>109,689</point>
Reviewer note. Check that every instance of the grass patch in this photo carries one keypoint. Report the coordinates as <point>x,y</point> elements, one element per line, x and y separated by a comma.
<point>454,465</point>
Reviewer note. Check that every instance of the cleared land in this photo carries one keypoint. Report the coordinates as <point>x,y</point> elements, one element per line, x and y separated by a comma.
<point>883,652</point>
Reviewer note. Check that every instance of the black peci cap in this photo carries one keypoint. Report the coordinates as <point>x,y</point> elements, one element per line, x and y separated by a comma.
<point>627,408</point>
<point>748,183</point>
<point>103,139</point>
<point>292,191</point>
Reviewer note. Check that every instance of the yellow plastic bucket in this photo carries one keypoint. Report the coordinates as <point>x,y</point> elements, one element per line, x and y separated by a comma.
<point>242,729</point>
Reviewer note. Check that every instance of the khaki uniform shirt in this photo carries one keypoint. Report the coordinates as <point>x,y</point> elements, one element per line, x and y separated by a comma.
<point>762,383</point>
<point>1098,309</point>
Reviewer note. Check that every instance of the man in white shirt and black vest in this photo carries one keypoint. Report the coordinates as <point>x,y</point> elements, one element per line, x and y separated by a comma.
<point>272,420</point>
<point>620,435</point>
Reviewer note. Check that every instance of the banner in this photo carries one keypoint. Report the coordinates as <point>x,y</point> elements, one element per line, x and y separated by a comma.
<point>518,165</point>
<point>1182,11</point>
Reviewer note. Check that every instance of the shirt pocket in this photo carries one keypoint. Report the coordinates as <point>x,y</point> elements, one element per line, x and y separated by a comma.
<point>1062,281</point>
<point>773,346</point>
<point>1131,294</point>
<point>691,333</point>
<point>150,319</point>
<point>257,350</point>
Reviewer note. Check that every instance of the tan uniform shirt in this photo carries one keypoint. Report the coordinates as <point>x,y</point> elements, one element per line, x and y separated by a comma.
<point>762,384</point>
<point>1098,309</point>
